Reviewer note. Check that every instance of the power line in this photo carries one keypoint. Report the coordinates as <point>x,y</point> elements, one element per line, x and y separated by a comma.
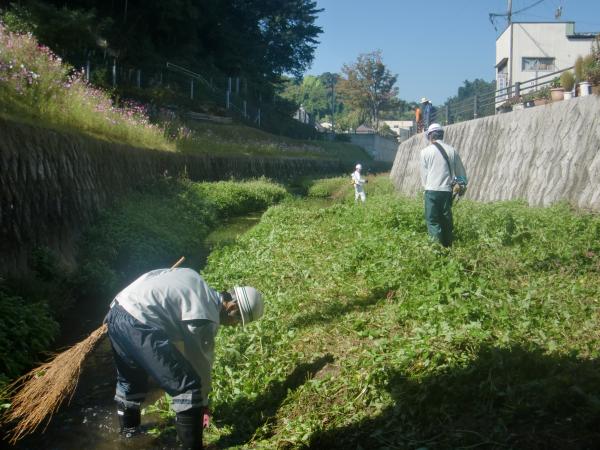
<point>528,7</point>
<point>510,13</point>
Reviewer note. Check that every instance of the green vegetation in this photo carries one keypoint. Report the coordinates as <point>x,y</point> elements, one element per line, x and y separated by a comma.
<point>26,329</point>
<point>374,337</point>
<point>154,228</point>
<point>244,140</point>
<point>37,87</point>
<point>143,231</point>
<point>259,38</point>
<point>567,80</point>
<point>329,187</point>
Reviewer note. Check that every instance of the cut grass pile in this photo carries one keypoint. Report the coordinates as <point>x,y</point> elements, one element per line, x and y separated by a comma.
<point>375,338</point>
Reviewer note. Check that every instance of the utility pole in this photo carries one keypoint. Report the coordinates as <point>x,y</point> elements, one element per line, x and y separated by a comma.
<point>332,105</point>
<point>510,57</point>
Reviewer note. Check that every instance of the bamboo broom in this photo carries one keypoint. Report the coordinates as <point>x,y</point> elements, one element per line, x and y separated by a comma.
<point>38,394</point>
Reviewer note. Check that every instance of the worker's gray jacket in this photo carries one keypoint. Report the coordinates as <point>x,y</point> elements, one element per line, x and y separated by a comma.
<point>170,299</point>
<point>435,175</point>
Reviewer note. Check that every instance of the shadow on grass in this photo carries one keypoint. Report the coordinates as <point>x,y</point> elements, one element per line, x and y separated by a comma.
<point>507,398</point>
<point>247,416</point>
<point>334,310</point>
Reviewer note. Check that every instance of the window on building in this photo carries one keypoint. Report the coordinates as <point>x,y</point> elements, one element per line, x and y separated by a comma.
<point>538,64</point>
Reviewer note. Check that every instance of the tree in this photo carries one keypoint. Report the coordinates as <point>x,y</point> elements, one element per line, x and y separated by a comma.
<point>369,86</point>
<point>259,39</point>
<point>311,93</point>
<point>462,105</point>
<point>330,80</point>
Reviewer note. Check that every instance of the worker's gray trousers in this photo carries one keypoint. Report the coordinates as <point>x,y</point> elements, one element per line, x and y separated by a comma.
<point>140,350</point>
<point>438,215</point>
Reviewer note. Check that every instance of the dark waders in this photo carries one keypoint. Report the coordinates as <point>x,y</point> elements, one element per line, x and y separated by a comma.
<point>438,215</point>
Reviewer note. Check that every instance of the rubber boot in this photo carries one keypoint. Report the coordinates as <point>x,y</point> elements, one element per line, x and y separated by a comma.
<point>189,429</point>
<point>129,420</point>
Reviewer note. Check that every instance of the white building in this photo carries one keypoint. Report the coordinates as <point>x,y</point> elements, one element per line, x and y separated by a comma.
<point>527,50</point>
<point>301,115</point>
<point>399,126</point>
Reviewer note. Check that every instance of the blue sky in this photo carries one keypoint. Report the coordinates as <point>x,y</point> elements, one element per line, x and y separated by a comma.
<point>432,45</point>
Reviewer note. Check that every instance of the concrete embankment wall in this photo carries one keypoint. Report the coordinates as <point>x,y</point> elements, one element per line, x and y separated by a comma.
<point>380,148</point>
<point>542,155</point>
<point>53,184</point>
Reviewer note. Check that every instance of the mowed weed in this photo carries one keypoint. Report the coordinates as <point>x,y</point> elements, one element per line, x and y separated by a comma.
<point>374,338</point>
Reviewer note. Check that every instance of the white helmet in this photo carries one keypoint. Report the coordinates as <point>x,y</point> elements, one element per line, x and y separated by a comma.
<point>250,302</point>
<point>358,167</point>
<point>433,127</point>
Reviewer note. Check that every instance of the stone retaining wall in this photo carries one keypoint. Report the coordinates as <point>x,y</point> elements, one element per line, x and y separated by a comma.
<point>53,184</point>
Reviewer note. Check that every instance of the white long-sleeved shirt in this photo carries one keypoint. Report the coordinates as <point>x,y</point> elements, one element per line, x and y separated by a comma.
<point>358,181</point>
<point>435,175</point>
<point>179,302</point>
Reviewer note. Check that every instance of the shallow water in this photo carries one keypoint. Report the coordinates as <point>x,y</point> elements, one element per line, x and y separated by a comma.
<point>89,421</point>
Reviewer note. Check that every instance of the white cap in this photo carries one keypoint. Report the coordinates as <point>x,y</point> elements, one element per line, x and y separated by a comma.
<point>250,302</point>
<point>424,100</point>
<point>358,167</point>
<point>433,127</point>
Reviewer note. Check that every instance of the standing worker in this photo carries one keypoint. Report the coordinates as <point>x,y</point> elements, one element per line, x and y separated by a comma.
<point>418,120</point>
<point>428,113</point>
<point>358,182</point>
<point>145,320</point>
<point>442,176</point>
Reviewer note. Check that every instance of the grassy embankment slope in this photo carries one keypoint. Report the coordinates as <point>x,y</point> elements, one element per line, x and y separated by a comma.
<point>37,87</point>
<point>374,338</point>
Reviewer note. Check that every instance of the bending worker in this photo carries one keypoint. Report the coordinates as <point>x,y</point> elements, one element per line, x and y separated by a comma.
<point>358,182</point>
<point>442,176</point>
<point>145,320</point>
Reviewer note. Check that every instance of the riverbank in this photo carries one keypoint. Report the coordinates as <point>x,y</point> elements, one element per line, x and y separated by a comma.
<point>150,228</point>
<point>372,336</point>
<point>89,420</point>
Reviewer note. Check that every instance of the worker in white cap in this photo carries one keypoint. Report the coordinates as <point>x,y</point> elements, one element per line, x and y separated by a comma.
<point>428,112</point>
<point>146,322</point>
<point>443,176</point>
<point>358,181</point>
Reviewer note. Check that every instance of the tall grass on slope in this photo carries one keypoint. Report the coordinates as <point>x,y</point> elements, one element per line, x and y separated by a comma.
<point>374,338</point>
<point>241,139</point>
<point>37,86</point>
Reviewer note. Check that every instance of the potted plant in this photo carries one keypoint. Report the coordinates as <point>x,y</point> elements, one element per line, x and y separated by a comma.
<point>505,107</point>
<point>592,68</point>
<point>567,81</point>
<point>511,104</point>
<point>587,65</point>
<point>541,96</point>
<point>557,92</point>
<point>579,75</point>
<point>528,100</point>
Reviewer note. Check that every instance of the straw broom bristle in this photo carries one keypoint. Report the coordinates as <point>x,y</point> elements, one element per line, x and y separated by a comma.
<point>37,395</point>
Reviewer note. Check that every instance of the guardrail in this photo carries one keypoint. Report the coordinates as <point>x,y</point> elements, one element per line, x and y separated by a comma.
<point>489,103</point>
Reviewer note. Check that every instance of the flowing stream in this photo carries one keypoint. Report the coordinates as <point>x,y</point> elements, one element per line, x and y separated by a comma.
<point>89,422</point>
